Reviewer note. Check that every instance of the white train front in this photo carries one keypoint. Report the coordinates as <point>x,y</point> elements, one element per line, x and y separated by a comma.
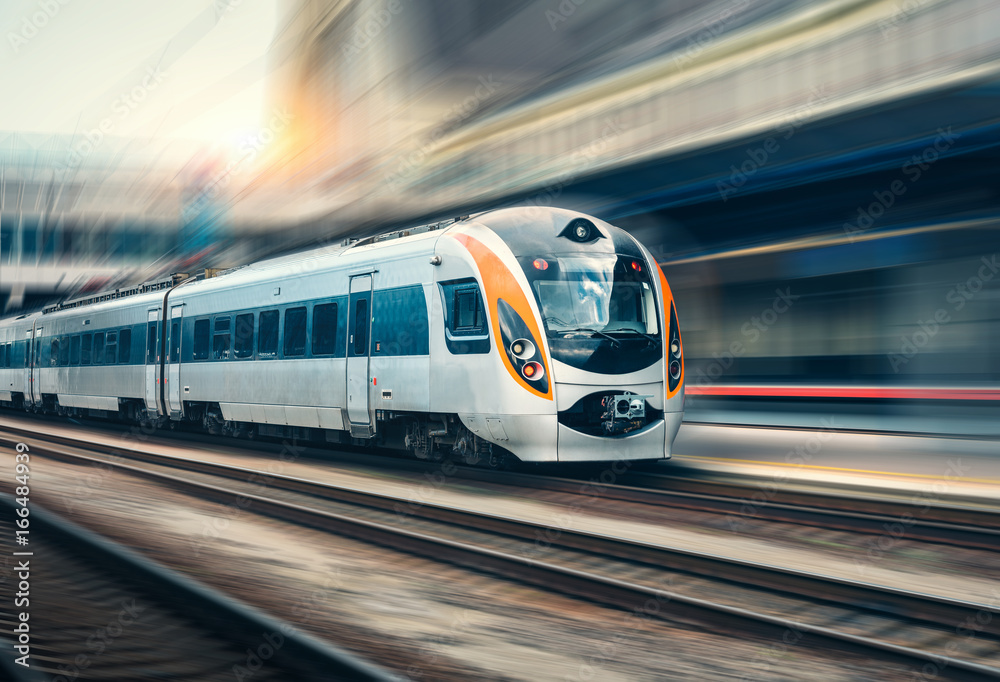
<point>534,332</point>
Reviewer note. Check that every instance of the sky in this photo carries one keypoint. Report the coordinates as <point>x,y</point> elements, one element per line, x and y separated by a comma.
<point>181,69</point>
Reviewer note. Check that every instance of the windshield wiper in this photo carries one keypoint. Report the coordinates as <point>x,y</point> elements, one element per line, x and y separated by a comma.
<point>648,337</point>
<point>588,330</point>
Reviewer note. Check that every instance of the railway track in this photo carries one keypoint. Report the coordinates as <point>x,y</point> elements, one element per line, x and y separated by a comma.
<point>929,634</point>
<point>918,518</point>
<point>921,518</point>
<point>100,611</point>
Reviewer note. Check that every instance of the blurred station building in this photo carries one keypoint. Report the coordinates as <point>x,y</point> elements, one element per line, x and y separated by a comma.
<point>818,179</point>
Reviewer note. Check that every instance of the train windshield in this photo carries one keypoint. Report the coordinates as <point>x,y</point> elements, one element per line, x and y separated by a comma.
<point>595,295</point>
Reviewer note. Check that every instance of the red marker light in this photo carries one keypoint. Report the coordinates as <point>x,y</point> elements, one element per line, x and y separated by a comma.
<point>541,264</point>
<point>637,266</point>
<point>532,370</point>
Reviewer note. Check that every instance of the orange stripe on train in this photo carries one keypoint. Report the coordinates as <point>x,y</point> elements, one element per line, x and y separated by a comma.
<point>668,300</point>
<point>499,282</point>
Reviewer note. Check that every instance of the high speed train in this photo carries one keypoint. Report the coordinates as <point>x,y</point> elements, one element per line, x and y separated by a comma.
<point>539,334</point>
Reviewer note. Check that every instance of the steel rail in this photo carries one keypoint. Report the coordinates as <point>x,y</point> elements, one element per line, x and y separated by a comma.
<point>905,606</point>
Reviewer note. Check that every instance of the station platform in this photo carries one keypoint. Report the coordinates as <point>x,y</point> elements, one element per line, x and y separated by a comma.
<point>918,466</point>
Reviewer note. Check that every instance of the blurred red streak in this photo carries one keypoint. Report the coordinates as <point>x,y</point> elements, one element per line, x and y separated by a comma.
<point>847,392</point>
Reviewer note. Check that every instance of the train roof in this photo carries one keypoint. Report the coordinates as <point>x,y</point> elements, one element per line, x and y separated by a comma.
<point>313,260</point>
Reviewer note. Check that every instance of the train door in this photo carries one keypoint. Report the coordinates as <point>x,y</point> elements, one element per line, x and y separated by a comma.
<point>31,347</point>
<point>359,330</point>
<point>173,378</point>
<point>152,361</point>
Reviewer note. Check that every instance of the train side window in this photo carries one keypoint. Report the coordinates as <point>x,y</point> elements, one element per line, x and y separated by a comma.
<point>175,342</point>
<point>64,351</point>
<point>98,347</point>
<point>74,350</point>
<point>86,345</point>
<point>201,334</point>
<point>399,322</point>
<point>243,342</point>
<point>151,341</point>
<point>110,348</point>
<point>324,332</point>
<point>295,332</point>
<point>54,353</point>
<point>361,326</point>
<point>3,355</point>
<point>222,338</point>
<point>125,346</point>
<point>267,335</point>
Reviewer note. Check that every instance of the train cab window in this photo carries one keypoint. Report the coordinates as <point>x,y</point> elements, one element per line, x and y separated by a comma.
<point>111,348</point>
<point>469,311</point>
<point>86,345</point>
<point>175,342</point>
<point>125,346</point>
<point>201,334</point>
<point>74,350</point>
<point>466,331</point>
<point>221,340</point>
<point>324,332</point>
<point>267,335</point>
<point>361,327</point>
<point>151,340</point>
<point>243,338</point>
<point>98,347</point>
<point>295,332</point>
<point>64,351</point>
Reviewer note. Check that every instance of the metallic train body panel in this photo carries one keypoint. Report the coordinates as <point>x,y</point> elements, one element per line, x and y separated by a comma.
<point>484,390</point>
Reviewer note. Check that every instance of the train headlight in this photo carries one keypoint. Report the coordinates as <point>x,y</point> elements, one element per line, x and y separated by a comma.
<point>522,349</point>
<point>581,230</point>
<point>676,367</point>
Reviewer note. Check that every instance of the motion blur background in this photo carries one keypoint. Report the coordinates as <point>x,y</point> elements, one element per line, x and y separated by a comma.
<point>818,179</point>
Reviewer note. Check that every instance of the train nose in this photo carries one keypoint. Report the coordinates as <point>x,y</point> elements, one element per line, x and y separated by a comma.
<point>598,423</point>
